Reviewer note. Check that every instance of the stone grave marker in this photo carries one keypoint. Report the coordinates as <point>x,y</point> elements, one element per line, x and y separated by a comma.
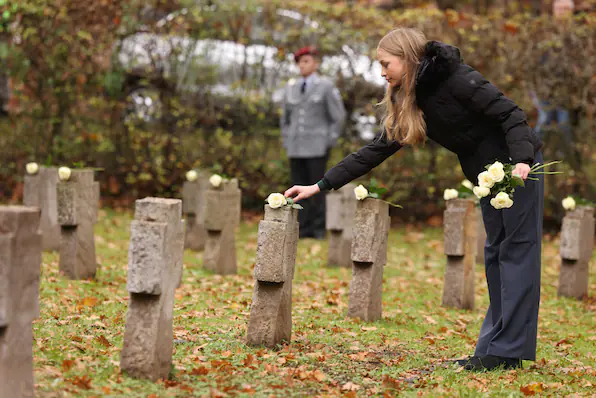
<point>78,205</point>
<point>461,243</point>
<point>270,320</point>
<point>221,219</point>
<point>154,270</point>
<point>20,260</point>
<point>577,243</point>
<point>40,191</point>
<point>369,256</point>
<point>78,201</point>
<point>194,197</point>
<point>341,208</point>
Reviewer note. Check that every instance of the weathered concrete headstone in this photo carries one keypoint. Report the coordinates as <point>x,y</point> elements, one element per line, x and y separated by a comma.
<point>270,320</point>
<point>577,243</point>
<point>154,269</point>
<point>481,239</point>
<point>40,191</point>
<point>221,219</point>
<point>369,256</point>
<point>194,197</point>
<point>20,260</point>
<point>78,201</point>
<point>461,243</point>
<point>341,208</point>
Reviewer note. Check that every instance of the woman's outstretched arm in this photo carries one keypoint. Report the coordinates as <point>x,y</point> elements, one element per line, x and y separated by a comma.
<point>361,162</point>
<point>351,167</point>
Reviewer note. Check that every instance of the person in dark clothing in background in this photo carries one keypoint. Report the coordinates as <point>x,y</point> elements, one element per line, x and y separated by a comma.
<point>547,112</point>
<point>433,94</point>
<point>313,116</point>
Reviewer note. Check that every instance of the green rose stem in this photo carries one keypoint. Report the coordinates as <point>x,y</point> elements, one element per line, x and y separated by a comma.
<point>375,196</point>
<point>534,170</point>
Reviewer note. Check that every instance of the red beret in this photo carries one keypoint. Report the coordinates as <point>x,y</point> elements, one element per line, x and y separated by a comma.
<point>308,50</point>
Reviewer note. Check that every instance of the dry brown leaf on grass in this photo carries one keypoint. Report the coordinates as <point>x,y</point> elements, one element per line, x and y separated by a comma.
<point>87,302</point>
<point>215,393</point>
<point>103,341</point>
<point>249,360</point>
<point>226,354</point>
<point>315,249</point>
<point>201,370</point>
<point>186,388</point>
<point>83,382</point>
<point>532,389</point>
<point>319,375</point>
<point>67,364</point>
<point>349,386</point>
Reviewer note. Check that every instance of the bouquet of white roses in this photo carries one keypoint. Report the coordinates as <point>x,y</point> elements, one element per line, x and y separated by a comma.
<point>499,181</point>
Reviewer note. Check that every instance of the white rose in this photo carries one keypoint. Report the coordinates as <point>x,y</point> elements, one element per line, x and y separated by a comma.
<point>64,173</point>
<point>496,172</point>
<point>276,200</point>
<point>568,203</point>
<point>32,168</point>
<point>485,180</point>
<point>468,184</point>
<point>215,180</point>
<point>191,175</point>
<point>360,192</point>
<point>501,201</point>
<point>481,192</point>
<point>449,194</point>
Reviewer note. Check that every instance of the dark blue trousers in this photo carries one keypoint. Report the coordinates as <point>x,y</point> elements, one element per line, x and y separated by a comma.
<point>512,256</point>
<point>307,171</point>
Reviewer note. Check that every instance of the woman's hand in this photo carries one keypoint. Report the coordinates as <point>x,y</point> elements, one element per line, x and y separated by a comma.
<point>302,192</point>
<point>522,170</point>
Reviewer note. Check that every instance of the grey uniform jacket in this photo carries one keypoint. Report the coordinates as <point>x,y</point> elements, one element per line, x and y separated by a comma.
<point>311,122</point>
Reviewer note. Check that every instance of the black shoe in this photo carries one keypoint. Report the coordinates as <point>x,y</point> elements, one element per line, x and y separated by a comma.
<point>461,362</point>
<point>491,362</point>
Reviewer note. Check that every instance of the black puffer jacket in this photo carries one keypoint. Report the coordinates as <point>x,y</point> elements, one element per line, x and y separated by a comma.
<point>464,113</point>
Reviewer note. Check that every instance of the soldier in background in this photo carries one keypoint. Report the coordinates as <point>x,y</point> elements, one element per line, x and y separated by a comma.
<point>312,118</point>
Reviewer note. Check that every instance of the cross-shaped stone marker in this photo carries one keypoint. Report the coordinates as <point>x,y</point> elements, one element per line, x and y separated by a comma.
<point>270,320</point>
<point>221,219</point>
<point>78,200</point>
<point>340,207</point>
<point>461,243</point>
<point>20,260</point>
<point>577,243</point>
<point>154,269</point>
<point>369,256</point>
<point>40,191</point>
<point>194,196</point>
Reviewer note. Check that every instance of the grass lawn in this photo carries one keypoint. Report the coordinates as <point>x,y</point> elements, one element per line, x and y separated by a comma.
<point>78,336</point>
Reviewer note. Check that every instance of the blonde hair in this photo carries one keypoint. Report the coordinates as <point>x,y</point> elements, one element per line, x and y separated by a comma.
<point>403,120</point>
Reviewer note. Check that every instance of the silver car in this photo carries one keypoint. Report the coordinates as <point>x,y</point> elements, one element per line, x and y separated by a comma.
<point>228,68</point>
